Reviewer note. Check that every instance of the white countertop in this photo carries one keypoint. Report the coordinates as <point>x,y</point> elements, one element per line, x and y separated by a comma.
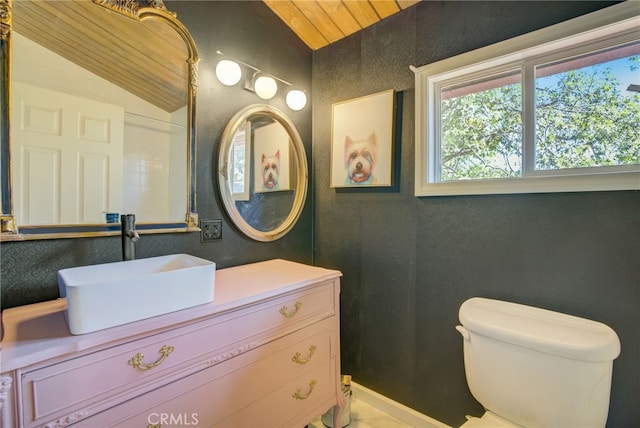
<point>36,332</point>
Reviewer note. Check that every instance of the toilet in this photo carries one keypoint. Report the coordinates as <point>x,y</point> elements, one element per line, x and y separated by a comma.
<point>532,367</point>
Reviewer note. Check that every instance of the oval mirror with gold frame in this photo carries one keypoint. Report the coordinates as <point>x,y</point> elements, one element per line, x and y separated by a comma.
<point>262,172</point>
<point>135,135</point>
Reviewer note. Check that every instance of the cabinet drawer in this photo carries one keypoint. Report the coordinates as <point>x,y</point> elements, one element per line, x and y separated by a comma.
<point>211,395</point>
<point>293,400</point>
<point>108,377</point>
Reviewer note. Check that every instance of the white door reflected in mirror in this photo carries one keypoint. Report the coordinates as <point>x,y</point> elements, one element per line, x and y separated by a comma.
<point>86,142</point>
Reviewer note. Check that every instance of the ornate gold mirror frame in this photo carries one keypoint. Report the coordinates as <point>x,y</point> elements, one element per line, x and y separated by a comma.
<point>258,200</point>
<point>7,221</point>
<point>154,11</point>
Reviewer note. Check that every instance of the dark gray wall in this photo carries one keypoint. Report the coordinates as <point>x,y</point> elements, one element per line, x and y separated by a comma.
<point>409,262</point>
<point>248,31</point>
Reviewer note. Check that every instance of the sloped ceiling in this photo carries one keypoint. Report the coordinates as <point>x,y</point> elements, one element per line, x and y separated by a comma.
<point>86,39</point>
<point>319,23</point>
<point>146,58</point>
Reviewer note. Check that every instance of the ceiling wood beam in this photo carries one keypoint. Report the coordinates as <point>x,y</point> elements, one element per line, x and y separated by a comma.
<point>319,18</point>
<point>407,3</point>
<point>363,12</point>
<point>339,14</point>
<point>298,22</point>
<point>321,22</point>
<point>385,8</point>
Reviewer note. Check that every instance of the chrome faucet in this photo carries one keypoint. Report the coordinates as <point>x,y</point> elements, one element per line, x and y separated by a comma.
<point>129,236</point>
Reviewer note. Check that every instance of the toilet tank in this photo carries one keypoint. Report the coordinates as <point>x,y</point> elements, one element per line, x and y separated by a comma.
<point>535,367</point>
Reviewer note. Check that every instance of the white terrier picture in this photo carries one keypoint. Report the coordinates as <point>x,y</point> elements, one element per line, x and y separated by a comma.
<point>270,171</point>
<point>360,159</point>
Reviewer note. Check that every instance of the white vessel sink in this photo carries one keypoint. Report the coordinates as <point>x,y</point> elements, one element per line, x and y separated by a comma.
<point>111,294</point>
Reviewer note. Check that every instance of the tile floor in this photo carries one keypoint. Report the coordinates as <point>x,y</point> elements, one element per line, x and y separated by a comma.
<point>364,415</point>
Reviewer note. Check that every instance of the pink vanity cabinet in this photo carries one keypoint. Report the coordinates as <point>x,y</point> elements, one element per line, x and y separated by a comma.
<point>265,352</point>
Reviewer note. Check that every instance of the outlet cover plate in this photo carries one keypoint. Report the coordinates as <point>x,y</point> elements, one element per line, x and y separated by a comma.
<point>211,230</point>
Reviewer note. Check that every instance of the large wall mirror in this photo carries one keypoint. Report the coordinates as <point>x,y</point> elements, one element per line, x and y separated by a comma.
<point>262,172</point>
<point>98,118</point>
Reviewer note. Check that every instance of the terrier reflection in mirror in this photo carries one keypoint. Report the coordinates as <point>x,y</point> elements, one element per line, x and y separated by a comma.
<point>360,159</point>
<point>271,171</point>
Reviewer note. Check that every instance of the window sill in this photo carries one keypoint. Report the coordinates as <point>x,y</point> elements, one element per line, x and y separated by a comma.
<point>629,180</point>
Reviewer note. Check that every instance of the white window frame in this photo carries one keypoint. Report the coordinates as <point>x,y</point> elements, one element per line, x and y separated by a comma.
<point>607,27</point>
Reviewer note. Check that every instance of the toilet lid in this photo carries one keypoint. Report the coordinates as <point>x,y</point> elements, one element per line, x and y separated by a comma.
<point>540,329</point>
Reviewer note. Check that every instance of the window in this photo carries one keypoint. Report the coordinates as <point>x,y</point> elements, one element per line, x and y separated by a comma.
<point>554,110</point>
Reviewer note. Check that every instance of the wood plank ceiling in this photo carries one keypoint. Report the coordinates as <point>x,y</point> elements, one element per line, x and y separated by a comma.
<point>319,23</point>
<point>83,38</point>
<point>146,58</point>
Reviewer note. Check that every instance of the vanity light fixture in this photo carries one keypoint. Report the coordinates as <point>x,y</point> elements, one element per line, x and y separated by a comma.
<point>265,87</point>
<point>296,99</point>
<point>229,72</point>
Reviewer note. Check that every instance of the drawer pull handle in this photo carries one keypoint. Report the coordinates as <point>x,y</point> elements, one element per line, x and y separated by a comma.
<point>298,358</point>
<point>284,311</point>
<point>136,360</point>
<point>298,395</point>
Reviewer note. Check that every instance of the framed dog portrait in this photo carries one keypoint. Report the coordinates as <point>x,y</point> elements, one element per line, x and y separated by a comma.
<point>362,133</point>
<point>271,158</point>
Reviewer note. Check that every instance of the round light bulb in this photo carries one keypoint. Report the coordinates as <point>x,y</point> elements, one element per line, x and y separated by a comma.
<point>228,72</point>
<point>265,87</point>
<point>296,99</point>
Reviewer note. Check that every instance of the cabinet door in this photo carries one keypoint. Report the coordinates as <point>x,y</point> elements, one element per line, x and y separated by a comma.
<point>105,378</point>
<point>245,377</point>
<point>297,400</point>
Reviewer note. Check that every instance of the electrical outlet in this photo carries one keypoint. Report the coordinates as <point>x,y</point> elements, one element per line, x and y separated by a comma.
<point>211,230</point>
